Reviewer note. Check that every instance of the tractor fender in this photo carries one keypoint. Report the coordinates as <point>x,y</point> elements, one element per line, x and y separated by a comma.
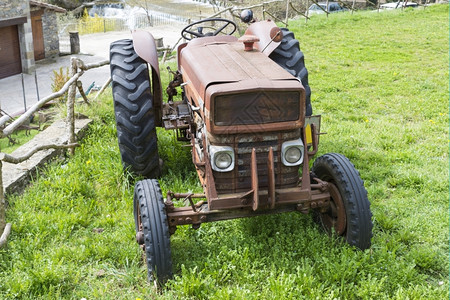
<point>263,31</point>
<point>145,46</point>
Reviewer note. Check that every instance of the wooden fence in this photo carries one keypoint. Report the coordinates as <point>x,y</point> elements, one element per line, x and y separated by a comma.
<point>77,69</point>
<point>104,24</point>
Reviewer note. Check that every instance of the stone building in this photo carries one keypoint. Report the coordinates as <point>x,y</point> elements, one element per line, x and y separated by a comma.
<point>28,33</point>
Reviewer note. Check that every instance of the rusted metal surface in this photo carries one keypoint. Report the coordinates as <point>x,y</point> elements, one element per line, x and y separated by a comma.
<point>218,63</point>
<point>334,216</point>
<point>176,81</point>
<point>293,199</point>
<point>258,101</point>
<point>176,116</point>
<point>309,120</point>
<point>305,181</point>
<point>139,229</point>
<point>265,32</point>
<point>262,107</point>
<point>239,180</point>
<point>315,141</point>
<point>276,35</point>
<point>271,179</point>
<point>254,177</point>
<point>248,41</point>
<point>145,46</point>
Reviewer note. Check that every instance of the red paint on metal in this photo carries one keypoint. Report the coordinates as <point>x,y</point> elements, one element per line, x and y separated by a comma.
<point>145,46</point>
<point>248,41</point>
<point>263,31</point>
<point>255,187</point>
<point>271,179</point>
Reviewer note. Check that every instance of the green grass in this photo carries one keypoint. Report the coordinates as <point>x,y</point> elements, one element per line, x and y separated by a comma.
<point>380,82</point>
<point>19,138</point>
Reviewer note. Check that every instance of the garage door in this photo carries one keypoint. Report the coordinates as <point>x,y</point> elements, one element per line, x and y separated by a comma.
<point>10,63</point>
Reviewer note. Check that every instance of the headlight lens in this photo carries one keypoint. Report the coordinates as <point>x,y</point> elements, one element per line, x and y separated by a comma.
<point>292,155</point>
<point>223,160</point>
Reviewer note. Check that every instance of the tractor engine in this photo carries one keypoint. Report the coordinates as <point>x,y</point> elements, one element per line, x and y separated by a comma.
<point>242,100</point>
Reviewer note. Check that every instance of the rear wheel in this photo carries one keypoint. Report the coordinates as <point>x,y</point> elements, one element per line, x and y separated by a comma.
<point>152,229</point>
<point>290,58</point>
<point>133,107</point>
<point>349,213</point>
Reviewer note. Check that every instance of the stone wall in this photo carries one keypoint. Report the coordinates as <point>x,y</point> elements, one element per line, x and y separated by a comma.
<point>21,8</point>
<point>13,9</point>
<point>50,29</point>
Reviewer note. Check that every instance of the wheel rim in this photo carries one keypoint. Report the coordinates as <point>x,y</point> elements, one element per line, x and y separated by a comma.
<point>335,216</point>
<point>139,227</point>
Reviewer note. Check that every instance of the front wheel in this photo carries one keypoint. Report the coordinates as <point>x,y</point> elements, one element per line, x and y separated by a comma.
<point>152,229</point>
<point>349,212</point>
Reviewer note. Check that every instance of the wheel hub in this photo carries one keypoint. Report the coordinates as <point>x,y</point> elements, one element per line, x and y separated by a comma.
<point>335,216</point>
<point>140,238</point>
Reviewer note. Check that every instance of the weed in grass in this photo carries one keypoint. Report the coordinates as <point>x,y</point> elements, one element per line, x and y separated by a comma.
<point>59,78</point>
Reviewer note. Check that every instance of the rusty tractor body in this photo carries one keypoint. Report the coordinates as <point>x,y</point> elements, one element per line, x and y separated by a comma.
<point>245,110</point>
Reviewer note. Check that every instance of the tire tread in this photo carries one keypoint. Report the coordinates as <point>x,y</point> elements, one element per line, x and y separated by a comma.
<point>133,106</point>
<point>289,57</point>
<point>148,199</point>
<point>336,167</point>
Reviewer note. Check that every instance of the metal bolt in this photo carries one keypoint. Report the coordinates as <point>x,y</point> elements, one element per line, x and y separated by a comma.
<point>140,237</point>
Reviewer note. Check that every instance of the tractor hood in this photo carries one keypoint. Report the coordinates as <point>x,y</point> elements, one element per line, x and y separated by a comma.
<point>218,60</point>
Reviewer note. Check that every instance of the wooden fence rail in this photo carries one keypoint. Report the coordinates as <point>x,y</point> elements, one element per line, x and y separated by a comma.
<point>77,69</point>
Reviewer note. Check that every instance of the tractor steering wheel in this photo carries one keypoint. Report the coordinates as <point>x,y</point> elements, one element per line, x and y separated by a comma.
<point>193,30</point>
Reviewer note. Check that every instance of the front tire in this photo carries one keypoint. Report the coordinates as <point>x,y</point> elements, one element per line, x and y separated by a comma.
<point>152,226</point>
<point>349,213</point>
<point>133,107</point>
<point>289,57</point>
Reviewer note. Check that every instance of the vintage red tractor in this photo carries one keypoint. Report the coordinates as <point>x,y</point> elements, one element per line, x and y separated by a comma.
<point>245,109</point>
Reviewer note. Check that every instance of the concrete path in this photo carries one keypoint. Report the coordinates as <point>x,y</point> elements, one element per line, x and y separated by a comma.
<point>94,48</point>
<point>12,99</point>
<point>16,176</point>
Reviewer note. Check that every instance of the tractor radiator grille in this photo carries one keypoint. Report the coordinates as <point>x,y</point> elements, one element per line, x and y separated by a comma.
<point>239,179</point>
<point>260,107</point>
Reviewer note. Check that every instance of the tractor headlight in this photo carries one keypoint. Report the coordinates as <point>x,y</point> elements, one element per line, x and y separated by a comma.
<point>222,158</point>
<point>292,153</point>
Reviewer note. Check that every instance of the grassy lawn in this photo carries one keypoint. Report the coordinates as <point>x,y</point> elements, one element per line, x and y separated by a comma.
<point>380,82</point>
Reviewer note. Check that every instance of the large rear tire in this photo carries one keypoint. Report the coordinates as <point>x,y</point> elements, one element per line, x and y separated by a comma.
<point>349,213</point>
<point>290,58</point>
<point>152,228</point>
<point>133,107</point>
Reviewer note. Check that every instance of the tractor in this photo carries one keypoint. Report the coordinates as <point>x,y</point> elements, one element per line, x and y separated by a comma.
<point>245,112</point>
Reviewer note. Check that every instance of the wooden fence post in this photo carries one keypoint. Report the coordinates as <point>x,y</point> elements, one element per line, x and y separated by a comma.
<point>287,13</point>
<point>5,228</point>
<point>71,105</point>
<point>74,42</point>
<point>2,202</point>
<point>307,12</point>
